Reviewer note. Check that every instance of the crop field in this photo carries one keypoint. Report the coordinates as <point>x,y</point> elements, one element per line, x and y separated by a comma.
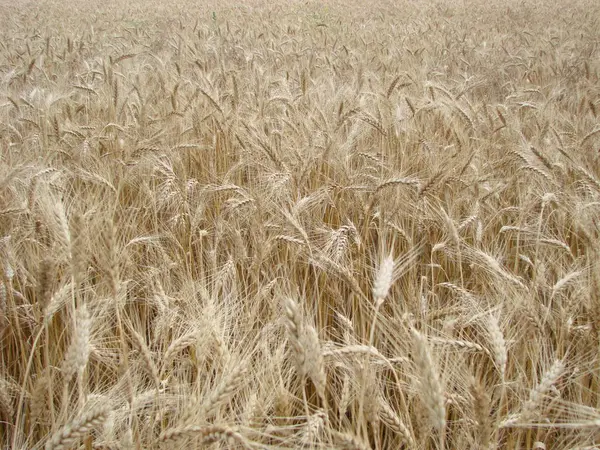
<point>300,225</point>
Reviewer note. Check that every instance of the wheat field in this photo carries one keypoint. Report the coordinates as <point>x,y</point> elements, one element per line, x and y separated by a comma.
<point>300,224</point>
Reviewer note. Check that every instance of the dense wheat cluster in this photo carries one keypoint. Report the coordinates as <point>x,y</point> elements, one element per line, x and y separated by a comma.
<point>299,225</point>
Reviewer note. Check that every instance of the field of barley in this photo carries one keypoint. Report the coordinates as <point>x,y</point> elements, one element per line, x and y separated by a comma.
<point>299,224</point>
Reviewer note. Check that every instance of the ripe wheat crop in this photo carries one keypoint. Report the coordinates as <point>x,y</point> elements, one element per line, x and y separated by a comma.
<point>299,224</point>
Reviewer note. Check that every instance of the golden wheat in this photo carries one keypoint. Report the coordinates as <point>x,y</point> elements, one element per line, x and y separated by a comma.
<point>299,224</point>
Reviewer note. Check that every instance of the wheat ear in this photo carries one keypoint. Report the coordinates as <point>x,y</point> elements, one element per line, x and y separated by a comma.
<point>537,394</point>
<point>77,429</point>
<point>431,387</point>
<point>207,433</point>
<point>498,345</point>
<point>224,390</point>
<point>395,423</point>
<point>295,329</point>
<point>77,356</point>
